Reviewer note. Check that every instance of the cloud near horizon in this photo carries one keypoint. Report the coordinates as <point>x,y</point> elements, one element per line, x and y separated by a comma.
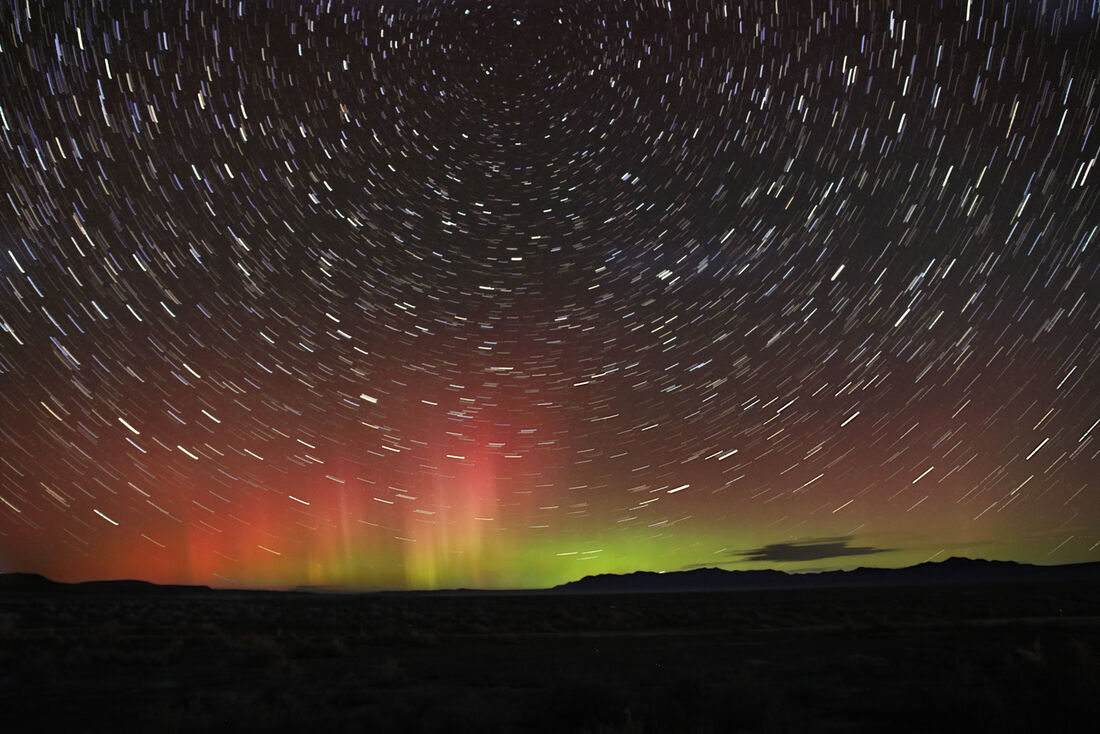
<point>812,549</point>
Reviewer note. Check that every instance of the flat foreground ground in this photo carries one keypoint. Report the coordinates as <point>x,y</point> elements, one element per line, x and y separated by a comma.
<point>1002,658</point>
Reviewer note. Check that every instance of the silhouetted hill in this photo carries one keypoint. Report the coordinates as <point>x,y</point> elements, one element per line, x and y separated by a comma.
<point>954,570</point>
<point>35,583</point>
<point>26,582</point>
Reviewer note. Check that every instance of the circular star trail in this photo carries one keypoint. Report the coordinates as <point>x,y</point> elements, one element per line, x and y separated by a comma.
<point>456,293</point>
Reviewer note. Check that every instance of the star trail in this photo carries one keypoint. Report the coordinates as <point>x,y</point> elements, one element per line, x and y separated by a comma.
<point>418,295</point>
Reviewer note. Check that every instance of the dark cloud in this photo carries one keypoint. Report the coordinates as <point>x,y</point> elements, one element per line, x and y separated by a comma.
<point>813,549</point>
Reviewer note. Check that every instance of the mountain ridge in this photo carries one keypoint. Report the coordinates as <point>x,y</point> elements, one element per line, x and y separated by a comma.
<point>951,571</point>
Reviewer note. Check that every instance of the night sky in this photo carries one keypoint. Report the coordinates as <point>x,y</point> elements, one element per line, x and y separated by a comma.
<point>500,295</point>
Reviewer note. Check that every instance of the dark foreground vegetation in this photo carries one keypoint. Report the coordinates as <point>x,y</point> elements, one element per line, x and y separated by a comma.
<point>966,658</point>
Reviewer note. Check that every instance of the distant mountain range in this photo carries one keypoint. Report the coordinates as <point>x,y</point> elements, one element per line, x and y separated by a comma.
<point>952,571</point>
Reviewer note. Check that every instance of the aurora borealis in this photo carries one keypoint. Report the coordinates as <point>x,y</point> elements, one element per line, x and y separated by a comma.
<point>419,295</point>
